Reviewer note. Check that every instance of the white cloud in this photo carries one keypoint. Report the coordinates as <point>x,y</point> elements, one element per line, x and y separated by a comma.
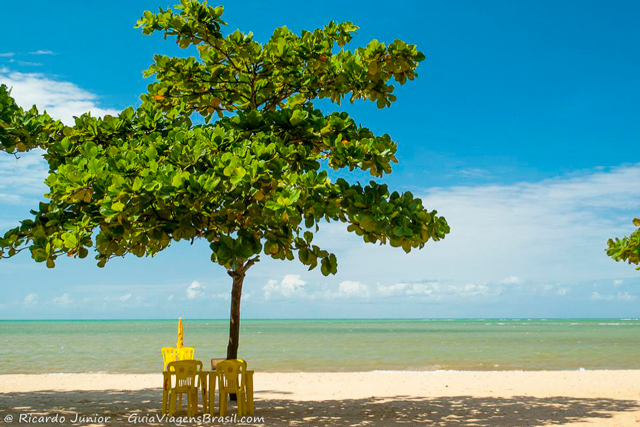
<point>31,299</point>
<point>440,290</point>
<point>62,100</point>
<point>291,285</point>
<point>42,52</point>
<point>511,280</point>
<point>390,290</point>
<point>350,289</point>
<point>549,231</point>
<point>125,297</point>
<point>553,229</point>
<point>64,300</point>
<point>424,288</point>
<point>6,55</point>
<point>626,296</point>
<point>620,296</point>
<point>170,298</point>
<point>454,291</point>
<point>618,283</point>
<point>195,290</point>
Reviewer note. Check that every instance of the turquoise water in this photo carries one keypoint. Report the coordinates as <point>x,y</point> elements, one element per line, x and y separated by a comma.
<point>326,345</point>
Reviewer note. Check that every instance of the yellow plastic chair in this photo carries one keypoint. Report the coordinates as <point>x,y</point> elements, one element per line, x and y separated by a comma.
<point>187,375</point>
<point>185,353</point>
<point>168,355</point>
<point>232,380</point>
<point>172,354</point>
<point>247,380</point>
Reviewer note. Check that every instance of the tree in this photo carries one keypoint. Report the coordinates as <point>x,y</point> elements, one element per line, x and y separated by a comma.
<point>628,248</point>
<point>252,182</point>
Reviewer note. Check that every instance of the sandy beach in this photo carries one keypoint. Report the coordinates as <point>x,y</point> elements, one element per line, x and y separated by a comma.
<point>571,398</point>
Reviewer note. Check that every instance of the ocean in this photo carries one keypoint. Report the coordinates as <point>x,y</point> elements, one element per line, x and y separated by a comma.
<point>133,346</point>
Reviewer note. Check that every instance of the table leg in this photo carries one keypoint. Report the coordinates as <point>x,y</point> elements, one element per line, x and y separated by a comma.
<point>212,393</point>
<point>165,392</point>
<point>203,384</point>
<point>250,407</point>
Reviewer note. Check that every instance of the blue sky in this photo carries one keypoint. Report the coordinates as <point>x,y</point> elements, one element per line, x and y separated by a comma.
<point>521,130</point>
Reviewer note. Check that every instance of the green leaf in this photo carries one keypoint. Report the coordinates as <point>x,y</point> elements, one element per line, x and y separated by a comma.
<point>281,45</point>
<point>151,153</point>
<point>137,184</point>
<point>177,180</point>
<point>83,252</point>
<point>298,117</point>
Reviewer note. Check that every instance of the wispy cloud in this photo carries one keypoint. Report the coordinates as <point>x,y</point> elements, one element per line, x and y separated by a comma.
<point>549,231</point>
<point>7,55</point>
<point>620,296</point>
<point>437,290</point>
<point>291,287</point>
<point>511,280</point>
<point>30,300</point>
<point>473,173</point>
<point>42,52</point>
<point>553,229</point>
<point>30,64</point>
<point>63,300</point>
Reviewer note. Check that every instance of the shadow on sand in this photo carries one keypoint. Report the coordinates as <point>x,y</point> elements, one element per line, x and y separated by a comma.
<point>464,411</point>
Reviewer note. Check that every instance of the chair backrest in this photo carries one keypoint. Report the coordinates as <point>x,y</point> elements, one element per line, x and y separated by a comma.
<point>233,371</point>
<point>172,354</point>
<point>185,353</point>
<point>187,372</point>
<point>168,355</point>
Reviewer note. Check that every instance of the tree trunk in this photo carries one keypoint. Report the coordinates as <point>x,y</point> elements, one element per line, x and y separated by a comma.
<point>234,318</point>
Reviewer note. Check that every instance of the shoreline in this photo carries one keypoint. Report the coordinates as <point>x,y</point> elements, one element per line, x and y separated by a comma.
<point>380,371</point>
<point>492,398</point>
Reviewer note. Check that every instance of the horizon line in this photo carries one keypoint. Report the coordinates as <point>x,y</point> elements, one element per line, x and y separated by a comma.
<point>319,318</point>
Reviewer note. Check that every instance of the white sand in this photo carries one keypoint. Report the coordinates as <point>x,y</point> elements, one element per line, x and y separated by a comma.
<point>568,398</point>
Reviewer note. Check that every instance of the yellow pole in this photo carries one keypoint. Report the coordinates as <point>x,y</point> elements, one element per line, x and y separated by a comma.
<point>180,342</point>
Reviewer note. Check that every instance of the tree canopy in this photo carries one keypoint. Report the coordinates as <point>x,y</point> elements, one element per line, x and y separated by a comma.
<point>628,248</point>
<point>252,181</point>
<point>226,147</point>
